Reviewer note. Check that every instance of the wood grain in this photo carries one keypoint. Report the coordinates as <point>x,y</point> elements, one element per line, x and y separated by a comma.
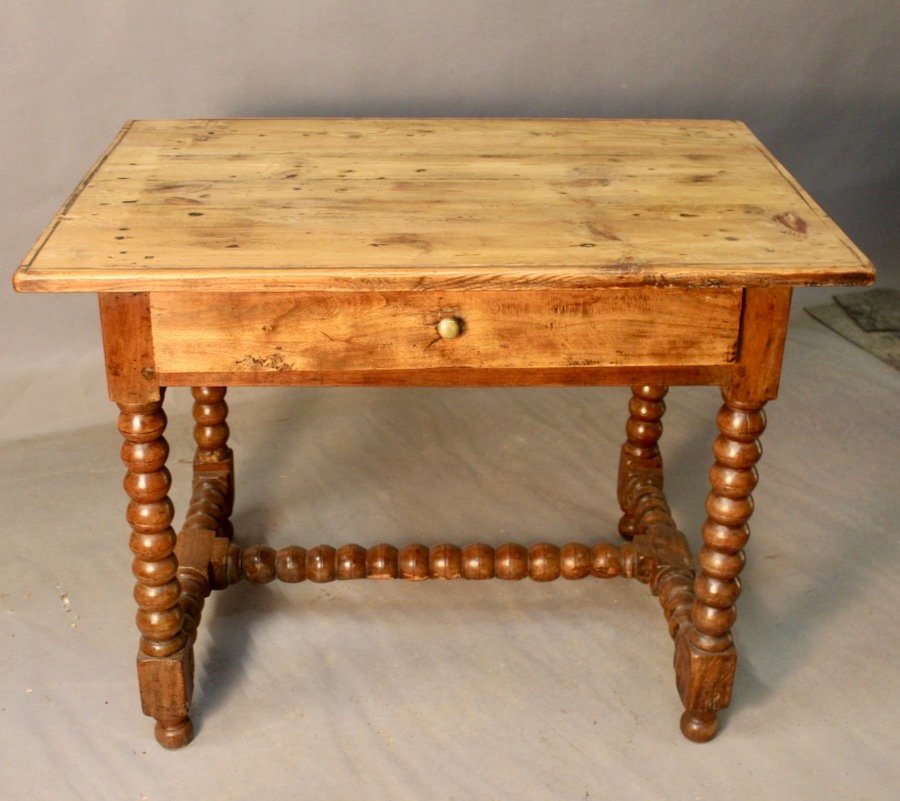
<point>703,375</point>
<point>764,323</point>
<point>260,333</point>
<point>128,347</point>
<point>412,204</point>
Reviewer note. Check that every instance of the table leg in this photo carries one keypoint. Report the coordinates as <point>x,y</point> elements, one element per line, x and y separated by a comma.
<point>165,665</point>
<point>705,657</point>
<point>214,458</point>
<point>207,528</point>
<point>641,449</point>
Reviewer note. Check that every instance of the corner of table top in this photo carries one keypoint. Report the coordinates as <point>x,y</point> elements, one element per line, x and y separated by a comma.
<point>23,279</point>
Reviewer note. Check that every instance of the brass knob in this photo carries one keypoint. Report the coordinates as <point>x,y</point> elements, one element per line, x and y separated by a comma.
<point>448,328</point>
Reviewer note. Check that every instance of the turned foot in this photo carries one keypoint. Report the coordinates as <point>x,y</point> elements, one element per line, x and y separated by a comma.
<point>174,734</point>
<point>699,727</point>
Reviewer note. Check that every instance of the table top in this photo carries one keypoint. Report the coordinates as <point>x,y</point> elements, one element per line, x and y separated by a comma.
<point>331,204</point>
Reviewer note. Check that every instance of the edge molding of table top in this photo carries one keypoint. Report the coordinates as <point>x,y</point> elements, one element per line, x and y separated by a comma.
<point>337,204</point>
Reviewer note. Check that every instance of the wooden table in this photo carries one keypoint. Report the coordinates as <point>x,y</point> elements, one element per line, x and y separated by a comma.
<point>440,252</point>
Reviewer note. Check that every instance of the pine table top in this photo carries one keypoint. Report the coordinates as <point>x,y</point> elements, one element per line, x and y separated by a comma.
<point>418,204</point>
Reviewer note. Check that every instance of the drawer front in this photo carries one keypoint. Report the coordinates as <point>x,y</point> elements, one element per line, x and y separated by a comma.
<point>244,332</point>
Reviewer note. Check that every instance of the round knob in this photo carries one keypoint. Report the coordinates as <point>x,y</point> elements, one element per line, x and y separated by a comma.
<point>448,328</point>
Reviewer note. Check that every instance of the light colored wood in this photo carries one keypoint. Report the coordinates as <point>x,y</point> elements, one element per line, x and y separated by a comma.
<point>371,331</point>
<point>419,204</point>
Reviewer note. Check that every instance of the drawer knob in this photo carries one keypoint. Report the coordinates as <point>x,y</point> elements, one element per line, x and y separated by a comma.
<point>448,328</point>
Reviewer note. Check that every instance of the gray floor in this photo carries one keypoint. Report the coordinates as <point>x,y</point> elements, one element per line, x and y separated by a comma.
<point>467,690</point>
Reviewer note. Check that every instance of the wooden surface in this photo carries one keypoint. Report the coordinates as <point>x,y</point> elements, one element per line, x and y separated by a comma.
<point>764,322</point>
<point>128,347</point>
<point>543,561</point>
<point>300,204</point>
<point>259,333</point>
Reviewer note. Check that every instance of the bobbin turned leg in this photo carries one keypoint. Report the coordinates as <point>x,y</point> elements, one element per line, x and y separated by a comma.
<point>641,450</point>
<point>705,657</point>
<point>214,459</point>
<point>207,528</point>
<point>165,665</point>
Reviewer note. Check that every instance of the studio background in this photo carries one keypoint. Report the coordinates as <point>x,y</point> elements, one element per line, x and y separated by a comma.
<point>490,691</point>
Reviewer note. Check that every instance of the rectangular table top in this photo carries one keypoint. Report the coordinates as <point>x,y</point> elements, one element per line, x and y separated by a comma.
<point>412,204</point>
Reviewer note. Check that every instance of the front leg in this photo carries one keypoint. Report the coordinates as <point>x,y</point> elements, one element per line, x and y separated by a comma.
<point>165,667</point>
<point>705,657</point>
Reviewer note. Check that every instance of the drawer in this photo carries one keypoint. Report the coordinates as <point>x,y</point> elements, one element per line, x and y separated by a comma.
<point>245,332</point>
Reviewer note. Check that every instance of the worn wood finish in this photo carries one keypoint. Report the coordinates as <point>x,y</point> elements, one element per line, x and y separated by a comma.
<point>413,562</point>
<point>370,331</point>
<point>426,252</point>
<point>381,562</point>
<point>320,564</point>
<point>421,204</point>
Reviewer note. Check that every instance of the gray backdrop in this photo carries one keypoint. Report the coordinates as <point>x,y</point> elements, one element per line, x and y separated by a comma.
<point>817,81</point>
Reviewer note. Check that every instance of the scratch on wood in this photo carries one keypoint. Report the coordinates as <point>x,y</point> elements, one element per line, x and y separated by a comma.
<point>601,233</point>
<point>176,200</point>
<point>413,240</point>
<point>275,362</point>
<point>584,182</point>
<point>183,186</point>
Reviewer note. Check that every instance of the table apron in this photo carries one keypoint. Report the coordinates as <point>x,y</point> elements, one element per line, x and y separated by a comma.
<point>507,337</point>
